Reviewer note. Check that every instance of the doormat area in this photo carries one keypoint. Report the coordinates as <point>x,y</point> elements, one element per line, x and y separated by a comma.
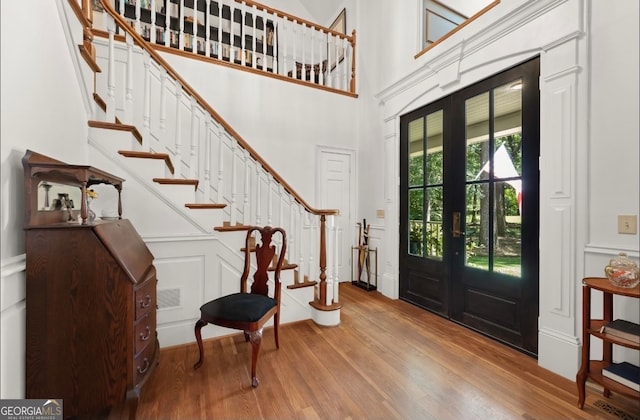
<point>611,409</point>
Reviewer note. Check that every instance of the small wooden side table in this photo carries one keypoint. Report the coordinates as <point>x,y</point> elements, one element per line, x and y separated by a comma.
<point>592,369</point>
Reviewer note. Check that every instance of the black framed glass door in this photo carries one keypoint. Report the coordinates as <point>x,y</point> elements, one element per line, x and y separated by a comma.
<point>469,206</point>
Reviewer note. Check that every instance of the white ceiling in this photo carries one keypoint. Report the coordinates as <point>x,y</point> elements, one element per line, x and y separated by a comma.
<point>325,11</point>
<point>466,7</point>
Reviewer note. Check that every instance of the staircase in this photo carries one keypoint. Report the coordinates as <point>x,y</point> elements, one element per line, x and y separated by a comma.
<point>182,162</point>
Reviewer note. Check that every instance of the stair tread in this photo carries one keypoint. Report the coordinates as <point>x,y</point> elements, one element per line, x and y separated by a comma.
<point>197,206</point>
<point>302,284</point>
<point>228,228</point>
<point>149,155</point>
<point>176,181</point>
<point>117,126</point>
<point>284,267</point>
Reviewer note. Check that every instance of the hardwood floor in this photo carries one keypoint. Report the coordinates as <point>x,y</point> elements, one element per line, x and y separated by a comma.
<point>386,360</point>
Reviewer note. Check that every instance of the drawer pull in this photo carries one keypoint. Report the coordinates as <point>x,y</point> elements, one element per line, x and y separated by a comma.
<point>146,366</point>
<point>146,302</point>
<point>145,337</point>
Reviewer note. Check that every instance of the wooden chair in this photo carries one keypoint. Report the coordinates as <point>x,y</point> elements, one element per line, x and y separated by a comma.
<point>249,311</point>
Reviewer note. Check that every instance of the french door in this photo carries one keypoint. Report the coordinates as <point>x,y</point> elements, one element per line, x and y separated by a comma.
<point>469,206</point>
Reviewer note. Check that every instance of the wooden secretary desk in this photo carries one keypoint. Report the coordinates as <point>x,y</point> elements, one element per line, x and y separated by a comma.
<point>90,295</point>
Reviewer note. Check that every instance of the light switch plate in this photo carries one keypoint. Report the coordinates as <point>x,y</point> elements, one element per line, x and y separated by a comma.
<point>628,224</point>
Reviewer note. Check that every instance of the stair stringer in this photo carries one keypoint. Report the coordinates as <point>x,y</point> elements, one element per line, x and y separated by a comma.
<point>73,31</point>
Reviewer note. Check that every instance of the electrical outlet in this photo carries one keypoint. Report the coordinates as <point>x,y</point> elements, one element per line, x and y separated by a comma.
<point>628,224</point>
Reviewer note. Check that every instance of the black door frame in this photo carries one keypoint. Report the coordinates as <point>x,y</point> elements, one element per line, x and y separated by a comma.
<point>429,284</point>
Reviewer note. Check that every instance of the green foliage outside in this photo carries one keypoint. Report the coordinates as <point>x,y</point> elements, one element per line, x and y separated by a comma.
<point>425,208</point>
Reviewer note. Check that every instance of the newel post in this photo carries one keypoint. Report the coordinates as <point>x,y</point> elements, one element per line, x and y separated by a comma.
<point>323,312</point>
<point>352,84</point>
<point>323,261</point>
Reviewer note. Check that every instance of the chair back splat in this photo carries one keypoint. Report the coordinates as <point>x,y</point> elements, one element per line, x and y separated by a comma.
<point>250,311</point>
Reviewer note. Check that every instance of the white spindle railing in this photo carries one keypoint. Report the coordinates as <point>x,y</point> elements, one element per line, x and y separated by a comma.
<point>142,94</point>
<point>264,39</point>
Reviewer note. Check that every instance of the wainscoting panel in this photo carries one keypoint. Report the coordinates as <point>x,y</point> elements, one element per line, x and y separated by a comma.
<point>12,328</point>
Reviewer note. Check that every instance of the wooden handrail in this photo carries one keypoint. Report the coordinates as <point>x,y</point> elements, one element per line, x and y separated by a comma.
<point>296,19</point>
<point>200,100</point>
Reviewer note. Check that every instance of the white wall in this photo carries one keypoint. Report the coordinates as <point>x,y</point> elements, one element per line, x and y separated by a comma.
<point>281,121</point>
<point>41,110</point>
<point>614,184</point>
<point>614,147</point>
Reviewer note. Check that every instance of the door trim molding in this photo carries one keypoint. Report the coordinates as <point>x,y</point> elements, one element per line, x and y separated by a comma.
<point>353,182</point>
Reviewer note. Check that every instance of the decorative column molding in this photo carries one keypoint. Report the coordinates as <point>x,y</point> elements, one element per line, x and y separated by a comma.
<point>389,280</point>
<point>563,199</point>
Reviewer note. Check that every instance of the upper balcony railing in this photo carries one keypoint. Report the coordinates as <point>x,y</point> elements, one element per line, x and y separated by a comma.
<point>249,35</point>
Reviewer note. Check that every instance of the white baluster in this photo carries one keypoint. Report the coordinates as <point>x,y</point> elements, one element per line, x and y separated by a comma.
<point>111,76</point>
<point>313,57</point>
<point>284,23</point>
<point>181,27</point>
<point>178,120</point>
<point>167,21</point>
<point>192,159</point>
<point>246,216</point>
<point>318,40</point>
<point>146,113</point>
<point>281,193</point>
<point>152,33</point>
<point>301,242</point>
<point>243,47</point>
<point>219,52</point>
<point>220,164</point>
<point>232,36</point>
<point>336,70</point>
<point>163,105</point>
<point>128,106</point>
<point>276,31</point>
<point>270,200</point>
<point>194,28</point>
<point>265,41</point>
<point>313,243</point>
<point>207,31</point>
<point>303,53</point>
<point>294,35</point>
<point>258,194</point>
<point>292,225</point>
<point>330,245</point>
<point>234,181</point>
<point>327,45</point>
<point>207,157</point>
<point>136,25</point>
<point>334,259</point>
<point>254,53</point>
<point>345,69</point>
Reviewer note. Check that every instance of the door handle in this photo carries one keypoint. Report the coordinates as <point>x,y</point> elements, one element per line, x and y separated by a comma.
<point>456,225</point>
